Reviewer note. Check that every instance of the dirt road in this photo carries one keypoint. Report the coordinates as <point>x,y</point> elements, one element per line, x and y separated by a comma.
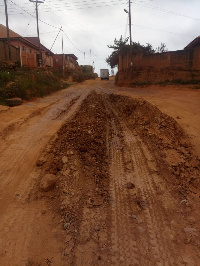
<point>92,175</point>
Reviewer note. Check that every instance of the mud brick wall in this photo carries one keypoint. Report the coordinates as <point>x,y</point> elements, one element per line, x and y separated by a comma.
<point>196,58</point>
<point>183,65</point>
<point>135,75</point>
<point>183,59</point>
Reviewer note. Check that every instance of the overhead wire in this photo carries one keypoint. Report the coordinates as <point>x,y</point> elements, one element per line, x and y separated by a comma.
<point>91,4</point>
<point>32,14</point>
<point>56,38</point>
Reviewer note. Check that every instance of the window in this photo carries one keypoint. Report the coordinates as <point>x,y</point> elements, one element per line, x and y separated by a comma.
<point>30,51</point>
<point>23,48</point>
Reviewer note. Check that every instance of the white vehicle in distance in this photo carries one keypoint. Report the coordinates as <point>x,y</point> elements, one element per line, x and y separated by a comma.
<point>104,74</point>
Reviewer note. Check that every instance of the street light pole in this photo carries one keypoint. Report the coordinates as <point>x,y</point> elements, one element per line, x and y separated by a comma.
<point>38,33</point>
<point>8,33</point>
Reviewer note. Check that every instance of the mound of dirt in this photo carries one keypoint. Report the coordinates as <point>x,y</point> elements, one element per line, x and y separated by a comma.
<point>163,135</point>
<point>79,159</point>
<point>118,165</point>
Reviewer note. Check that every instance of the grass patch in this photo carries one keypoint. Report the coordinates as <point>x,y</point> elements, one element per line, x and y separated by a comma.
<point>26,83</point>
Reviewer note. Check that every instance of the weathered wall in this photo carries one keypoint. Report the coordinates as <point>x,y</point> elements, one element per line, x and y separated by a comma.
<point>47,60</point>
<point>69,63</point>
<point>183,64</point>
<point>28,55</point>
<point>184,59</point>
<point>4,54</point>
<point>151,75</point>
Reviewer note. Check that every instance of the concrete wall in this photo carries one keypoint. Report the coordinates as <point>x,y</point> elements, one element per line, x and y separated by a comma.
<point>4,54</point>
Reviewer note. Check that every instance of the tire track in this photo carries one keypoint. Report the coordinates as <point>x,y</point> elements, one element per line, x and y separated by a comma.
<point>157,241</point>
<point>124,247</point>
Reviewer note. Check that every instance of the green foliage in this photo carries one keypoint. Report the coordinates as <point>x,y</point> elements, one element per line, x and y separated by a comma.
<point>5,76</point>
<point>85,72</point>
<point>118,46</point>
<point>27,83</point>
<point>80,76</point>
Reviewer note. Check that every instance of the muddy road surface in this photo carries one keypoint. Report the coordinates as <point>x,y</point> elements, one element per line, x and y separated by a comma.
<point>89,176</point>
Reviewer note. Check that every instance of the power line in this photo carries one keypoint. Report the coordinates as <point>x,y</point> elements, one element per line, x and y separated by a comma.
<point>55,38</point>
<point>72,42</point>
<point>33,15</point>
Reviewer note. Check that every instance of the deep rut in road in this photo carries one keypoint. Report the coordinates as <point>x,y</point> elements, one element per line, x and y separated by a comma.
<point>126,185</point>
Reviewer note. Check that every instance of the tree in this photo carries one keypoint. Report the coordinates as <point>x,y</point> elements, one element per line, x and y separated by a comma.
<point>118,46</point>
<point>121,47</point>
<point>162,48</point>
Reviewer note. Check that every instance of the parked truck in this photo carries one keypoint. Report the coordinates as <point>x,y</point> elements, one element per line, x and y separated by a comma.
<point>104,74</point>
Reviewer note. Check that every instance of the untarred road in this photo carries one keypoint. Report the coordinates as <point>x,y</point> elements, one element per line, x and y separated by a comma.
<point>125,187</point>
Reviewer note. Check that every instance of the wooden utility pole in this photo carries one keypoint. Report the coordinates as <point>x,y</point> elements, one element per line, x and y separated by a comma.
<point>129,14</point>
<point>8,33</point>
<point>38,33</point>
<point>63,57</point>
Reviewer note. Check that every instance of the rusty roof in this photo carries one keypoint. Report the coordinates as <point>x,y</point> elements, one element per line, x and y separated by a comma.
<point>194,43</point>
<point>3,32</point>
<point>35,41</point>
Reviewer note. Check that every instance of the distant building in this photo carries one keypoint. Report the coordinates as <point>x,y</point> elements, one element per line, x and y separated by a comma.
<point>68,61</point>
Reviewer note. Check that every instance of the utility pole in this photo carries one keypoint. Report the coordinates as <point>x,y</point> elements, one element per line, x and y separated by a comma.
<point>63,56</point>
<point>38,33</point>
<point>8,34</point>
<point>129,13</point>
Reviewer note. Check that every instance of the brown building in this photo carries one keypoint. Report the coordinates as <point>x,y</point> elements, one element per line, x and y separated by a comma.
<point>47,55</point>
<point>4,52</point>
<point>68,61</point>
<point>28,49</point>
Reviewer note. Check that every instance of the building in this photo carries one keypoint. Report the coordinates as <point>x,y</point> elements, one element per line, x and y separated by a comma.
<point>28,49</point>
<point>47,55</point>
<point>4,52</point>
<point>66,61</point>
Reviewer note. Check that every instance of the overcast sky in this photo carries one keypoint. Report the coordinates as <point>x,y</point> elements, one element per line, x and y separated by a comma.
<point>90,25</point>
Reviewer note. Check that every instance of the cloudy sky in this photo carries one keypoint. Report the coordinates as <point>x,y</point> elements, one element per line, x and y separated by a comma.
<point>90,25</point>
